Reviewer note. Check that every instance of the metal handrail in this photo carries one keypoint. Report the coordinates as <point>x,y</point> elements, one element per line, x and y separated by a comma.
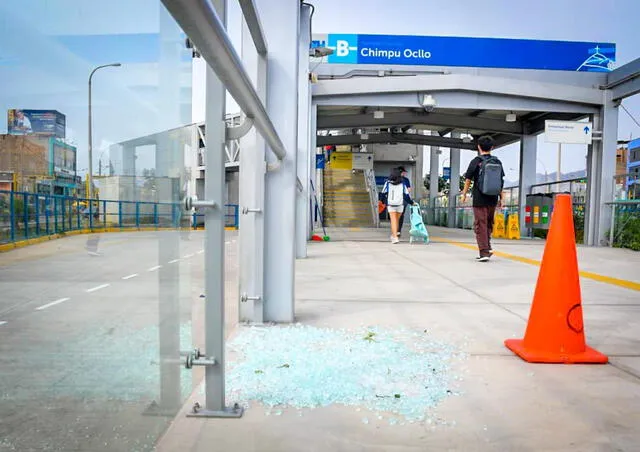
<point>372,188</point>
<point>201,23</point>
<point>558,182</point>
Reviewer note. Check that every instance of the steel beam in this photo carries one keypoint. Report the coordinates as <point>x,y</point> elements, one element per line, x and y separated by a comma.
<point>255,27</point>
<point>624,81</point>
<point>435,84</point>
<point>205,29</point>
<point>623,74</point>
<point>626,89</point>
<point>421,118</point>
<point>377,138</point>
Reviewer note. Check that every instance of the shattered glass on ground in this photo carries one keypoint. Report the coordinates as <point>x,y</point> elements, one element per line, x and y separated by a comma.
<point>398,374</point>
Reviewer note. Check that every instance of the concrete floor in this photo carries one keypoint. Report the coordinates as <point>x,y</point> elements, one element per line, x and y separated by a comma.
<point>506,404</point>
<point>80,375</point>
<point>80,339</point>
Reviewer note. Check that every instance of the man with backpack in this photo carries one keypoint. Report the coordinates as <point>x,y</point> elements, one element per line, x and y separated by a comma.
<point>487,175</point>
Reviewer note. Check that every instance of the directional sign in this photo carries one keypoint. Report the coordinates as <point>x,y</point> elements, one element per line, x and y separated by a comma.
<point>446,172</point>
<point>568,132</point>
<point>362,160</point>
<point>468,52</point>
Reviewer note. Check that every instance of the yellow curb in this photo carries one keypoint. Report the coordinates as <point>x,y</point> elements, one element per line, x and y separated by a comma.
<point>631,285</point>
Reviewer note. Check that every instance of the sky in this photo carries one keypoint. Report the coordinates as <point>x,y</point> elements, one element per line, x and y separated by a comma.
<point>571,20</point>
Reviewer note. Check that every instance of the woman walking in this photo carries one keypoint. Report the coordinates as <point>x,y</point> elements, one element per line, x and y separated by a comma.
<point>396,195</point>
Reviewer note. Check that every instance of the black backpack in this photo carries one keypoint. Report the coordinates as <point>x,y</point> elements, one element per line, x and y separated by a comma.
<point>490,176</point>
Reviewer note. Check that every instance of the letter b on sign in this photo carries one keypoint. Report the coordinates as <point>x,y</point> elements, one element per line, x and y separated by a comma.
<point>342,48</point>
<point>345,48</point>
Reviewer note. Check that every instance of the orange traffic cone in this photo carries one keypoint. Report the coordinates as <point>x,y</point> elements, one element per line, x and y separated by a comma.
<point>555,331</point>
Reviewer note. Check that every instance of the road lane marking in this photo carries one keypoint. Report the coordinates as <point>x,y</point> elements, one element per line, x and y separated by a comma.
<point>129,276</point>
<point>53,303</point>
<point>174,261</point>
<point>101,286</point>
<point>188,256</point>
<point>2,323</point>
<point>227,243</point>
<point>152,269</point>
<point>201,252</point>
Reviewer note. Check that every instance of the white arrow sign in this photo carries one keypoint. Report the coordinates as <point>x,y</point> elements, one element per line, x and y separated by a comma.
<point>568,132</point>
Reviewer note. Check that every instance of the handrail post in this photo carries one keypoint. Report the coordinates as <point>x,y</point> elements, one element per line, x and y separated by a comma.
<point>37,213</point>
<point>55,214</point>
<point>47,212</point>
<point>25,214</point>
<point>12,213</point>
<point>90,214</point>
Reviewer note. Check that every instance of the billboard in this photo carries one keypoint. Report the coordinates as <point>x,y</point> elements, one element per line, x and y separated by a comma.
<point>36,122</point>
<point>468,52</point>
<point>64,158</point>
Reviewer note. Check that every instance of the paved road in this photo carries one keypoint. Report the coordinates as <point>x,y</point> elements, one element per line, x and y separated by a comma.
<point>80,340</point>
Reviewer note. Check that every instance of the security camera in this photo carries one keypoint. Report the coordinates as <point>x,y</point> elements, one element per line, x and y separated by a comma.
<point>428,102</point>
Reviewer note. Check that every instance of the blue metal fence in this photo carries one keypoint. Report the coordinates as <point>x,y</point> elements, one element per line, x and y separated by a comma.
<point>231,217</point>
<point>28,215</point>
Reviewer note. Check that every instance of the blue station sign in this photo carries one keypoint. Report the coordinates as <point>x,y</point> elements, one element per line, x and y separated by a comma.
<point>468,52</point>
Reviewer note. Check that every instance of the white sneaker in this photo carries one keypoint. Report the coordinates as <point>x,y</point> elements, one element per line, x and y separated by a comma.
<point>395,240</point>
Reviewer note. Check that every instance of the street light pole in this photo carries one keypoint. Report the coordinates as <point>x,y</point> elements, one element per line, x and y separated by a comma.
<point>90,173</point>
<point>559,174</point>
<point>546,173</point>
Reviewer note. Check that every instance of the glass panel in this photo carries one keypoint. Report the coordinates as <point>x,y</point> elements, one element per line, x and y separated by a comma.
<point>92,324</point>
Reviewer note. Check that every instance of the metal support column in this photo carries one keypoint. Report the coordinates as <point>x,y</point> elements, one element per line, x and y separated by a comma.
<point>603,154</point>
<point>252,186</point>
<point>304,108</point>
<point>418,184</point>
<point>593,168</point>
<point>434,163</point>
<point>214,188</point>
<point>527,171</point>
<point>282,29</point>
<point>434,168</point>
<point>313,173</point>
<point>454,183</point>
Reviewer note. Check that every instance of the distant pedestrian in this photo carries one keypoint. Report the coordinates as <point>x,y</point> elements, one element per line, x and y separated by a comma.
<point>396,197</point>
<point>487,175</point>
<point>407,184</point>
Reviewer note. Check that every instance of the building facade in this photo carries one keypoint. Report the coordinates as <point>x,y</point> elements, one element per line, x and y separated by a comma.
<point>633,168</point>
<point>39,164</point>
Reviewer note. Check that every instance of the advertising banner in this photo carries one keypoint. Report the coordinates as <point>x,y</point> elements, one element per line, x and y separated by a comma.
<point>64,158</point>
<point>36,122</point>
